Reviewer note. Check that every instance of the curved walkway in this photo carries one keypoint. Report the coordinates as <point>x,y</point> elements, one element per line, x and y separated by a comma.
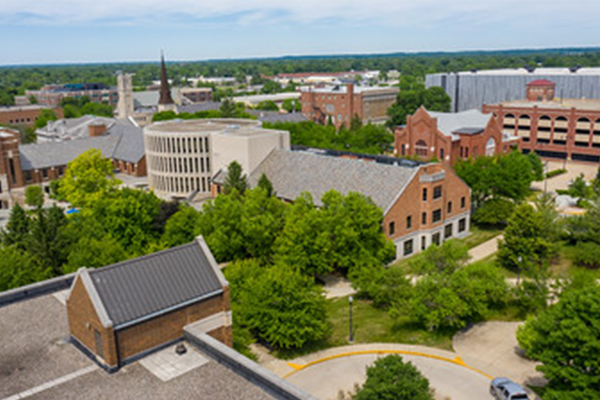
<point>326,373</point>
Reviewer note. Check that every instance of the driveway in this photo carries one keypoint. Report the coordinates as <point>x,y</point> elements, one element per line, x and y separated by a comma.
<point>325,374</point>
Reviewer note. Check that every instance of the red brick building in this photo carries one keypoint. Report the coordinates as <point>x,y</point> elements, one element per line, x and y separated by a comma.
<point>422,203</point>
<point>342,103</point>
<point>52,95</point>
<point>450,137</point>
<point>564,129</point>
<point>24,115</point>
<point>120,312</point>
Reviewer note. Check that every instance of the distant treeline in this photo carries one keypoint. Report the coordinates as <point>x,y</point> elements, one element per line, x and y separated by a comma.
<point>15,80</point>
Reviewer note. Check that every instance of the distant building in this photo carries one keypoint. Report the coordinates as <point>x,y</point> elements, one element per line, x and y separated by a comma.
<point>451,137</point>
<point>52,95</point>
<point>342,103</point>
<point>473,89</point>
<point>183,155</point>
<point>559,128</point>
<point>422,203</point>
<point>277,98</point>
<point>320,78</point>
<point>25,115</point>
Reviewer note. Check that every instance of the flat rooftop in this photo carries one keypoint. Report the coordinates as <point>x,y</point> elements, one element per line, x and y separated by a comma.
<point>37,361</point>
<point>536,71</point>
<point>30,107</point>
<point>564,104</point>
<point>342,89</point>
<point>204,125</point>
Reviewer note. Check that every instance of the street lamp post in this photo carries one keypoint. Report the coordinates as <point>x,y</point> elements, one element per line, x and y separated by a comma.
<point>351,333</point>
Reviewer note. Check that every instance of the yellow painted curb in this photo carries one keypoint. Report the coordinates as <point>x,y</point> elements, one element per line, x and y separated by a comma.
<point>457,360</point>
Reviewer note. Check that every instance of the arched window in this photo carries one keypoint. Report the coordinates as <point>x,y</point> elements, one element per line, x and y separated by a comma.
<point>597,127</point>
<point>509,122</point>
<point>421,149</point>
<point>490,147</point>
<point>584,126</point>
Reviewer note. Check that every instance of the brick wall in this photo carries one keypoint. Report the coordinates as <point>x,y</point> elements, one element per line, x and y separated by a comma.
<point>24,115</point>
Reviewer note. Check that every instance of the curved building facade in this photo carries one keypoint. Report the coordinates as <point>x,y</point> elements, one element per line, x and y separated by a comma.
<point>183,155</point>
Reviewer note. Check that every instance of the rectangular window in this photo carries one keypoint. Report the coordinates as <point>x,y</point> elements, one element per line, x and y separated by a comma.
<point>437,192</point>
<point>391,228</point>
<point>424,218</point>
<point>448,231</point>
<point>45,173</point>
<point>423,242</point>
<point>28,177</point>
<point>435,238</point>
<point>462,225</point>
<point>424,194</point>
<point>99,345</point>
<point>436,216</point>
<point>463,202</point>
<point>449,207</point>
<point>409,222</point>
<point>408,247</point>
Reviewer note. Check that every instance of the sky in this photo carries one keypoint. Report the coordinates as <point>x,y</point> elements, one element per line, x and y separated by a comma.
<point>83,31</point>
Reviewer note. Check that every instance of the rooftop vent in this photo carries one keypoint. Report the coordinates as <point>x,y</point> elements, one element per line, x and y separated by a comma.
<point>575,69</point>
<point>529,69</point>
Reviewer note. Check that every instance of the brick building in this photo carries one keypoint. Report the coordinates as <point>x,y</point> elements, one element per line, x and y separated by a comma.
<point>342,103</point>
<point>450,137</point>
<point>24,115</point>
<point>52,95</point>
<point>422,203</point>
<point>565,129</point>
<point>121,312</point>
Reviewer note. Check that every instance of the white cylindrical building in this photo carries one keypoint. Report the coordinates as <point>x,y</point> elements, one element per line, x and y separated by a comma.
<point>180,154</point>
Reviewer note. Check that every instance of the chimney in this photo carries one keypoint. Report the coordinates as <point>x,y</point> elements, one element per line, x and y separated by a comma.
<point>96,129</point>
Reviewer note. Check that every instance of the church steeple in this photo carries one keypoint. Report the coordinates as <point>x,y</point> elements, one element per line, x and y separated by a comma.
<point>165,90</point>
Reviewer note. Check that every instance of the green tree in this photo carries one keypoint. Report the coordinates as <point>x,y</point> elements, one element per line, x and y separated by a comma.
<point>447,258</point>
<point>526,246</point>
<point>17,268</point>
<point>283,307</point>
<point>221,227</point>
<point>164,116</point>
<point>88,178</point>
<point>46,243</point>
<point>267,105</point>
<point>292,105</point>
<point>495,211</point>
<point>266,185</point>
<point>34,196</point>
<point>228,108</point>
<point>45,115</point>
<point>409,101</point>
<point>91,252</point>
<point>183,227</point>
<point>580,188</point>
<point>17,228</point>
<point>270,87</point>
<point>390,378</point>
<point>235,179</point>
<point>565,338</point>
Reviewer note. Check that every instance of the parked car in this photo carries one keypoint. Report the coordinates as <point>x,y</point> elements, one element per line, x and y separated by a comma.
<point>505,389</point>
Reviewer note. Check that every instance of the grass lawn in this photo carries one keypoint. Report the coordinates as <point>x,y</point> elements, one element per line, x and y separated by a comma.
<point>480,235</point>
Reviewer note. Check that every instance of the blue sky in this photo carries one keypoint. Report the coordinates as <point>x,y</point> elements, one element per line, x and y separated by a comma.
<point>61,31</point>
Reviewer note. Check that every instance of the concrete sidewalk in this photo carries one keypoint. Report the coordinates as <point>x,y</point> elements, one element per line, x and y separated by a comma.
<point>485,249</point>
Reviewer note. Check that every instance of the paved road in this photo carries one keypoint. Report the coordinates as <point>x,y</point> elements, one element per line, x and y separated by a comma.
<point>451,380</point>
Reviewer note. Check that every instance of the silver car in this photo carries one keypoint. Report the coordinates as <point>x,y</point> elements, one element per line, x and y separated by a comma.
<point>505,389</point>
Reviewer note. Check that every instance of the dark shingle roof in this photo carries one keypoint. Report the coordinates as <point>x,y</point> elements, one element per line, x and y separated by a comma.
<point>147,286</point>
<point>294,172</point>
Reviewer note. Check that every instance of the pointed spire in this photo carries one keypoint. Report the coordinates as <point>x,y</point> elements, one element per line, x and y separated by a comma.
<point>165,90</point>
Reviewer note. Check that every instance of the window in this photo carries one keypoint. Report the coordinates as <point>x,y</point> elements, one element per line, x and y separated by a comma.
<point>462,225</point>
<point>99,345</point>
<point>449,207</point>
<point>448,231</point>
<point>441,154</point>
<point>409,222</point>
<point>436,216</point>
<point>424,194</point>
<point>437,192</point>
<point>45,173</point>
<point>391,228</point>
<point>466,152</point>
<point>463,202</point>
<point>435,238</point>
<point>28,177</point>
<point>424,218</point>
<point>421,149</point>
<point>408,247</point>
<point>423,242</point>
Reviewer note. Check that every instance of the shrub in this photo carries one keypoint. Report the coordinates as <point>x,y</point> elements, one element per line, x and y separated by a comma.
<point>587,254</point>
<point>556,172</point>
<point>494,212</point>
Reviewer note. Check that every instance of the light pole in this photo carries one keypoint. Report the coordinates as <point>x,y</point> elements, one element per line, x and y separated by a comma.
<point>351,333</point>
<point>520,260</point>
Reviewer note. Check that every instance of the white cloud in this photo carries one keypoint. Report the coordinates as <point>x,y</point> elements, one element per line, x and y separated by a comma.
<point>384,12</point>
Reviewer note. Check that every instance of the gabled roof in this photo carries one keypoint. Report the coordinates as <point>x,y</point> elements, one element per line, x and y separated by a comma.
<point>541,82</point>
<point>136,290</point>
<point>449,123</point>
<point>294,172</point>
<point>122,141</point>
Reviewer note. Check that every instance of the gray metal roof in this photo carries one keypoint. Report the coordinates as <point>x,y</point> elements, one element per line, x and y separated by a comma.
<point>449,123</point>
<point>206,106</point>
<point>274,116</point>
<point>148,286</point>
<point>294,172</point>
<point>122,141</point>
